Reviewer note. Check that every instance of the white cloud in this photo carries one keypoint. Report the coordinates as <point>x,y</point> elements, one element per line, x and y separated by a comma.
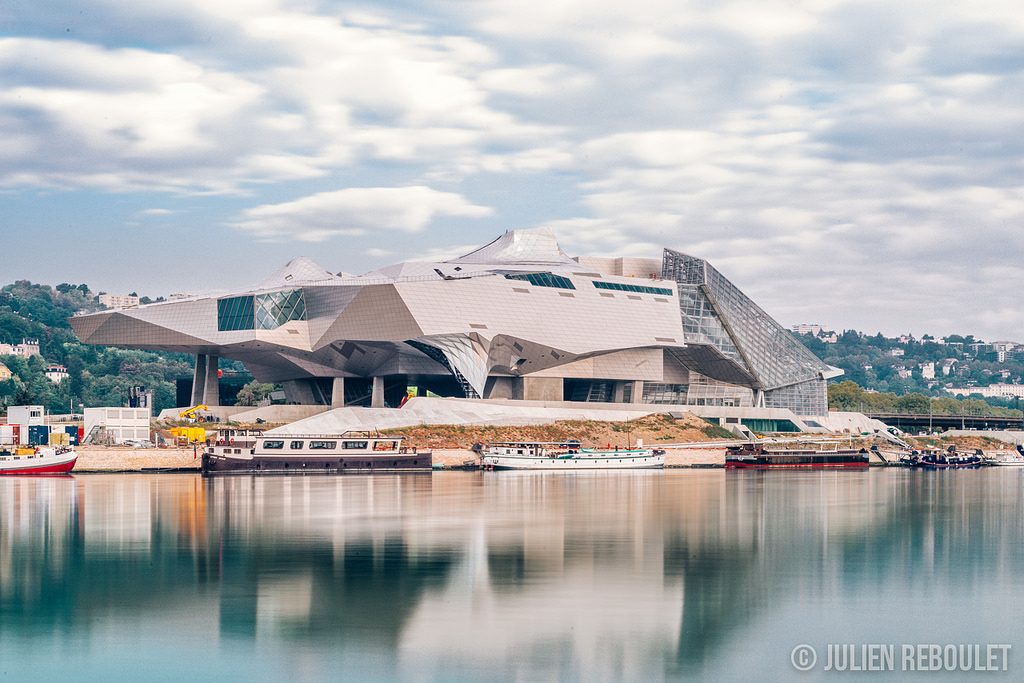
<point>356,211</point>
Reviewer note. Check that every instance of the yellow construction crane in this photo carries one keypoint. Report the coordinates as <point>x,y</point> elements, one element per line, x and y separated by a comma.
<point>199,413</point>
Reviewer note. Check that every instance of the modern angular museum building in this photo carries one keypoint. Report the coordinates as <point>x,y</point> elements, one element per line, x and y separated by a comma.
<point>514,319</point>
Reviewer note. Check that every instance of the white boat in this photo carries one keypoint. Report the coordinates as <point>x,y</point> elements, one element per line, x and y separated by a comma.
<point>555,456</point>
<point>1005,460</point>
<point>37,460</point>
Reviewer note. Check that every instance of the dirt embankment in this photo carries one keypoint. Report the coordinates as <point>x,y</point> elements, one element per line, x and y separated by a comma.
<point>652,429</point>
<point>962,443</point>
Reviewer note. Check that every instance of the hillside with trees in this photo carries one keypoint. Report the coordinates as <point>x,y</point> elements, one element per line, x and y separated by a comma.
<point>97,376</point>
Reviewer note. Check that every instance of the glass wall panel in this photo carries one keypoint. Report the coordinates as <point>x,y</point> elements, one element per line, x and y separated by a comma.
<point>640,289</point>
<point>543,279</point>
<point>274,309</point>
<point>235,313</point>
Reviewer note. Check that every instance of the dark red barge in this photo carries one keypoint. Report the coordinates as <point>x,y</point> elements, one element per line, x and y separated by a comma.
<point>757,457</point>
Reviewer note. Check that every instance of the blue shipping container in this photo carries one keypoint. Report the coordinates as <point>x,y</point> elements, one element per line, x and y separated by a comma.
<point>72,432</point>
<point>38,435</point>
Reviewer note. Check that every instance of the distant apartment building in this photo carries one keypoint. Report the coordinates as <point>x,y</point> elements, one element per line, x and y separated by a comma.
<point>119,300</point>
<point>897,352</point>
<point>903,372</point>
<point>27,347</point>
<point>5,373</point>
<point>1004,349</point>
<point>927,370</point>
<point>816,331</point>
<point>56,373</point>
<point>948,366</point>
<point>992,391</point>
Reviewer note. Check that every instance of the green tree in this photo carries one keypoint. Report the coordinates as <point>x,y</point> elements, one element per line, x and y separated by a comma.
<point>252,393</point>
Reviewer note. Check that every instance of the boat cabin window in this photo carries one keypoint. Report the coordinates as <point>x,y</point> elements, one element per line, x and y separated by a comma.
<point>385,445</point>
<point>323,445</point>
<point>273,445</point>
<point>354,445</point>
<point>295,445</point>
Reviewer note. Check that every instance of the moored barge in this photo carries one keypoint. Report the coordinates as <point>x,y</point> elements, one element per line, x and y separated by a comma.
<point>756,456</point>
<point>560,456</point>
<point>347,453</point>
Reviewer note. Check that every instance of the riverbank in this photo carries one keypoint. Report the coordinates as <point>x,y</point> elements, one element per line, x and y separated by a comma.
<point>119,459</point>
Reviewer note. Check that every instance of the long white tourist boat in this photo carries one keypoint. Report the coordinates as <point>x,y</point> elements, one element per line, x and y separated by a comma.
<point>555,456</point>
<point>347,453</point>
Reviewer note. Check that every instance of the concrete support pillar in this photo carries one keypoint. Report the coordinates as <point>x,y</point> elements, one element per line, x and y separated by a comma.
<point>338,392</point>
<point>377,397</point>
<point>619,393</point>
<point>211,390</point>
<point>638,391</point>
<point>199,379</point>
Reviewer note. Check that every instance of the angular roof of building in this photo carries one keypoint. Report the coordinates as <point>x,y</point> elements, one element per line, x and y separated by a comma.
<point>520,247</point>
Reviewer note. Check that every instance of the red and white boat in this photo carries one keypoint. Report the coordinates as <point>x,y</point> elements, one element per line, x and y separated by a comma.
<point>38,460</point>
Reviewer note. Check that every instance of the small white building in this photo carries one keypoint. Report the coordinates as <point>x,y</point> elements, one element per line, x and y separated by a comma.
<point>119,300</point>
<point>27,347</point>
<point>25,415</point>
<point>994,390</point>
<point>116,425</point>
<point>927,370</point>
<point>56,373</point>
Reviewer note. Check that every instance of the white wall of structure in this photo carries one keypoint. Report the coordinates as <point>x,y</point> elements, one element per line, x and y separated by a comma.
<point>995,390</point>
<point>25,415</point>
<point>118,300</point>
<point>120,424</point>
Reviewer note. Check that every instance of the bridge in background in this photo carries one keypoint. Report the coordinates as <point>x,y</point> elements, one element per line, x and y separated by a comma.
<point>926,422</point>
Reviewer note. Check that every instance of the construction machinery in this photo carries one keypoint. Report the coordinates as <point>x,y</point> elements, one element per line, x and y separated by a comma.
<point>199,413</point>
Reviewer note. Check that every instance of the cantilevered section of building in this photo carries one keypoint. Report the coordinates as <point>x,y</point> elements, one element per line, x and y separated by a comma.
<point>515,319</point>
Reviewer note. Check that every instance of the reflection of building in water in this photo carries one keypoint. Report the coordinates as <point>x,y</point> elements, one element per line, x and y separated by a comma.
<point>628,575</point>
<point>116,514</point>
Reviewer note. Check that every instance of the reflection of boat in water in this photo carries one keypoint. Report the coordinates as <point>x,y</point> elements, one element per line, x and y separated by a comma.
<point>38,460</point>
<point>756,456</point>
<point>346,453</point>
<point>944,460</point>
<point>558,456</point>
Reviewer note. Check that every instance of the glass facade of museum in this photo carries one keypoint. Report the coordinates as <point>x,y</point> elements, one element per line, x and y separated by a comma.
<point>266,311</point>
<point>715,312</point>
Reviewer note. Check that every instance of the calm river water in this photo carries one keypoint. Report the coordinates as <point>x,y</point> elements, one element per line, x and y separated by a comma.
<point>470,576</point>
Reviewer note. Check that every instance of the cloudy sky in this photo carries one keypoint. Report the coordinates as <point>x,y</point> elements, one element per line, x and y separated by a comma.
<point>857,164</point>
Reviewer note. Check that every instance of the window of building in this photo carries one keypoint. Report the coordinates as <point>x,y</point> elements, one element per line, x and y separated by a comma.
<point>295,445</point>
<point>354,445</point>
<point>274,309</point>
<point>235,313</point>
<point>640,289</point>
<point>260,311</point>
<point>273,445</point>
<point>323,445</point>
<point>543,279</point>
